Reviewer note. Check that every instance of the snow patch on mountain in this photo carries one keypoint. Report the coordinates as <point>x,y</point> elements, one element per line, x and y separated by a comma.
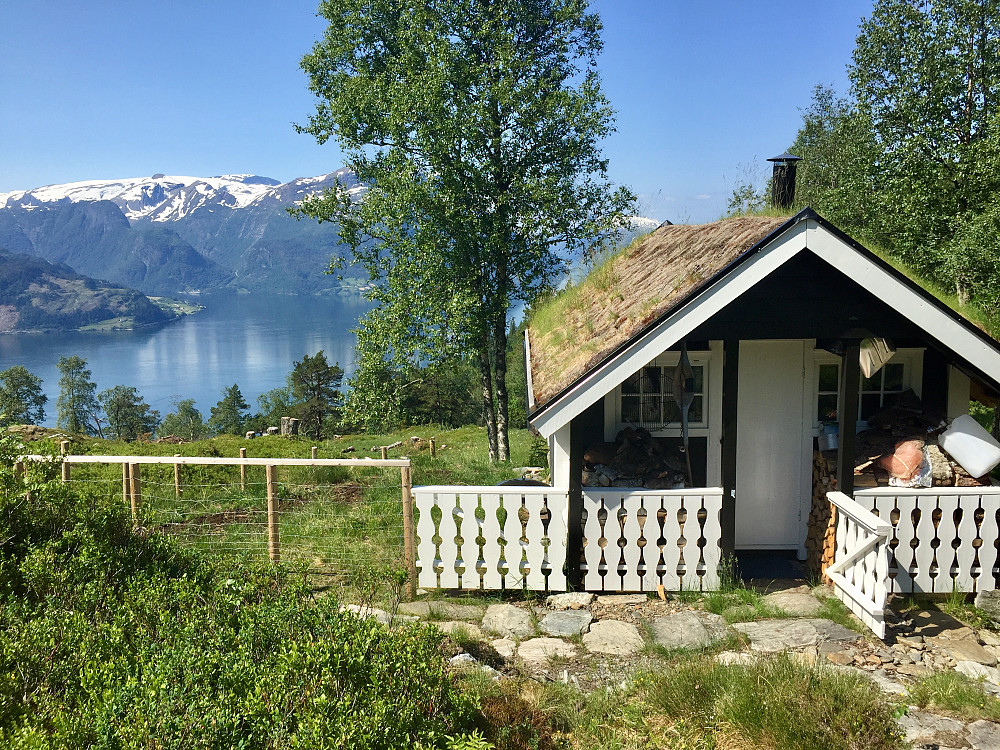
<point>163,198</point>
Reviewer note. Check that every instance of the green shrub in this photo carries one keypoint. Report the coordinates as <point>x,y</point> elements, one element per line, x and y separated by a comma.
<point>111,638</point>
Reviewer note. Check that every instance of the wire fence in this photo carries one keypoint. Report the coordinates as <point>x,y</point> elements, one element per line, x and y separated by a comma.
<point>336,518</point>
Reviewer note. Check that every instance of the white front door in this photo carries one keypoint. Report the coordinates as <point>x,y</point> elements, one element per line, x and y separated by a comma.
<point>772,456</point>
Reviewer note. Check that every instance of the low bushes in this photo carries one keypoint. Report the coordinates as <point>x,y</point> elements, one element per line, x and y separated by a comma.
<point>114,639</point>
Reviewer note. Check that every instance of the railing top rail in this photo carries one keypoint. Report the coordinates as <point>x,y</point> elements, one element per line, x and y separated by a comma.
<point>861,515</point>
<point>500,489</point>
<point>926,491</point>
<point>645,491</point>
<point>225,461</point>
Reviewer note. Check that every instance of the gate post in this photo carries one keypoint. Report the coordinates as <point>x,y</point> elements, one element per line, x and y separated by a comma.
<point>273,540</point>
<point>409,551</point>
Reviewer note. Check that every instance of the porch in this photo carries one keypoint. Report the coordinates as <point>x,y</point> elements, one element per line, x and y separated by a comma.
<point>888,541</point>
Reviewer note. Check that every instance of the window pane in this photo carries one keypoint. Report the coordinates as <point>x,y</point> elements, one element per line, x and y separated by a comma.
<point>631,384</point>
<point>630,409</point>
<point>894,377</point>
<point>699,379</point>
<point>696,413</point>
<point>671,412</point>
<point>874,383</point>
<point>651,380</point>
<point>829,377</point>
<point>651,409</point>
<point>827,411</point>
<point>870,403</point>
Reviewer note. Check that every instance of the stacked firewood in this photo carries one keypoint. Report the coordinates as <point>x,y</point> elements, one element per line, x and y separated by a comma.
<point>635,459</point>
<point>821,537</point>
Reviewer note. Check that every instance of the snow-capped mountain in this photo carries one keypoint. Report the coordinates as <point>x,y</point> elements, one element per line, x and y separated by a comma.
<point>169,197</point>
<point>171,234</point>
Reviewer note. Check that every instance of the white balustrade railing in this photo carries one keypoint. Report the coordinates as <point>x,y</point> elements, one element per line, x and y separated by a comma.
<point>942,539</point>
<point>491,537</point>
<point>638,539</point>
<point>861,562</point>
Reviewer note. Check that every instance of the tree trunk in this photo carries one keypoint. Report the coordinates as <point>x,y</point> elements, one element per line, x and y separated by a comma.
<point>489,412</point>
<point>962,292</point>
<point>500,386</point>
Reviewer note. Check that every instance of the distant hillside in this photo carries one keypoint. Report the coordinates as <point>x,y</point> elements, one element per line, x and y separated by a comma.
<point>36,295</point>
<point>175,235</point>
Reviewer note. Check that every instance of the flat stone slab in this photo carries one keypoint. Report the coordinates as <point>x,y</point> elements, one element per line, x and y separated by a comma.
<point>613,637</point>
<point>927,728</point>
<point>567,623</point>
<point>508,621</point>
<point>783,635</point>
<point>613,600</point>
<point>367,613</point>
<point>441,610</point>
<point>505,647</point>
<point>799,602</point>
<point>456,627</point>
<point>968,650</point>
<point>984,735</point>
<point>689,630</point>
<point>572,600</point>
<point>538,651</point>
<point>880,677</point>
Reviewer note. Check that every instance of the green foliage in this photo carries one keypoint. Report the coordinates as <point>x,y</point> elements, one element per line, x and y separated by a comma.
<point>77,404</point>
<point>773,703</point>
<point>111,638</point>
<point>229,414</point>
<point>956,694</point>
<point>476,127</point>
<point>128,415</point>
<point>21,397</point>
<point>186,422</point>
<point>315,386</point>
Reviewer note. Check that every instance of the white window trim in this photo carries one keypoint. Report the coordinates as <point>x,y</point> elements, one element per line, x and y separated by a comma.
<point>913,375</point>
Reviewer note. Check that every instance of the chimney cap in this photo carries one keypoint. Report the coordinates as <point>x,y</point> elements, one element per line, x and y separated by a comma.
<point>786,157</point>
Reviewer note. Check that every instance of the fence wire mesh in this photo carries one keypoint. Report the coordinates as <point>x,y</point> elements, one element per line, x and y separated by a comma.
<point>338,522</point>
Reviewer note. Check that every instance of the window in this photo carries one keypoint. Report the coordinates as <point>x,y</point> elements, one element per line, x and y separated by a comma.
<point>894,377</point>
<point>648,398</point>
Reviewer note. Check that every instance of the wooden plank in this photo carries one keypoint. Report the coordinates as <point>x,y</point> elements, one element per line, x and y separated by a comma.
<point>712,502</point>
<point>630,531</point>
<point>409,543</point>
<point>924,553</point>
<point>990,533</point>
<point>671,551</point>
<point>730,407</point>
<point>465,568</point>
<point>426,531</point>
<point>489,527</point>
<point>850,386</point>
<point>965,533</point>
<point>557,532</point>
<point>532,544</point>
<point>593,581</point>
<point>392,463</point>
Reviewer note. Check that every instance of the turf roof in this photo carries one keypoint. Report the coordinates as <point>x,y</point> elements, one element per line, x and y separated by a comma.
<point>581,326</point>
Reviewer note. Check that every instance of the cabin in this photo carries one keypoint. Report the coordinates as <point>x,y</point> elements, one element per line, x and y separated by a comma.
<point>771,322</point>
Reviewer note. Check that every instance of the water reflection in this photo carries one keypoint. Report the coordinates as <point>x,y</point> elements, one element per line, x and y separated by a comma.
<point>251,341</point>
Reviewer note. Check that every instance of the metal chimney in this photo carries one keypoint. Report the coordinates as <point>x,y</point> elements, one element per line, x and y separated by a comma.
<point>783,180</point>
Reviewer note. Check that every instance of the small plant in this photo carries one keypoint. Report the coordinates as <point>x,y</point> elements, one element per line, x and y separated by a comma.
<point>956,694</point>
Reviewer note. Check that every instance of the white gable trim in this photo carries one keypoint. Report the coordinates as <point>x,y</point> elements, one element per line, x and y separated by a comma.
<point>692,314</point>
<point>904,299</point>
<point>807,234</point>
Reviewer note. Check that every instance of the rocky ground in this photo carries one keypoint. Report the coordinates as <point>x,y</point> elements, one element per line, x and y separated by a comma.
<point>593,641</point>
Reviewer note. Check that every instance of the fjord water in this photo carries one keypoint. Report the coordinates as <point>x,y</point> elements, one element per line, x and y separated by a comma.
<point>250,340</point>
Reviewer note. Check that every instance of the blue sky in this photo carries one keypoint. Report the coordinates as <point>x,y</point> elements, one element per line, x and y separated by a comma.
<point>705,90</point>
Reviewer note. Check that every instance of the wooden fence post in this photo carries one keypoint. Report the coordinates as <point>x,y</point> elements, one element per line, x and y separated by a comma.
<point>433,448</point>
<point>385,452</point>
<point>273,541</point>
<point>243,471</point>
<point>315,451</point>
<point>22,469</point>
<point>126,483</point>
<point>177,477</point>
<point>135,485</point>
<point>63,450</point>
<point>409,551</point>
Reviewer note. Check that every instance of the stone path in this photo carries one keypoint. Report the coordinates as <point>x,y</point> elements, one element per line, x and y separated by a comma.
<point>594,641</point>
